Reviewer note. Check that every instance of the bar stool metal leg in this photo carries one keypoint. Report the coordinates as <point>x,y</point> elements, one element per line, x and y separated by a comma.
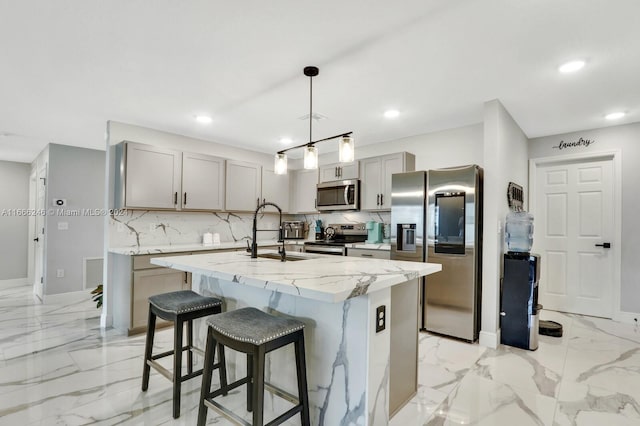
<point>177,367</point>
<point>207,374</point>
<point>250,383</point>
<point>258,386</point>
<point>148,350</point>
<point>190,345</point>
<point>301,367</point>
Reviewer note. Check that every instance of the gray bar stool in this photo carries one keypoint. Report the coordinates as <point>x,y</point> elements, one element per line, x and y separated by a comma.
<point>255,333</point>
<point>179,307</point>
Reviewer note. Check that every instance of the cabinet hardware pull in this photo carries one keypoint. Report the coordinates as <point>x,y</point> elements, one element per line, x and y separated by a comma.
<point>366,255</point>
<point>175,198</point>
<point>382,199</point>
<point>377,199</point>
<point>185,199</point>
<point>336,172</point>
<point>604,245</point>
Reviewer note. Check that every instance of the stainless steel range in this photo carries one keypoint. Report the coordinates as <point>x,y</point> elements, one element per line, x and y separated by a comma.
<point>336,237</point>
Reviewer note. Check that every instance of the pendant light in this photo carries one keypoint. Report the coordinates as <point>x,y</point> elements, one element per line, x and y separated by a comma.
<point>346,149</point>
<point>310,161</point>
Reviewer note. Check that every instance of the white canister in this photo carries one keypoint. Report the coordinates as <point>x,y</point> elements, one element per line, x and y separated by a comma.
<point>216,239</point>
<point>207,239</point>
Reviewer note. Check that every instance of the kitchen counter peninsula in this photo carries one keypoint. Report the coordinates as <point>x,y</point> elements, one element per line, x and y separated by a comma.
<point>355,374</point>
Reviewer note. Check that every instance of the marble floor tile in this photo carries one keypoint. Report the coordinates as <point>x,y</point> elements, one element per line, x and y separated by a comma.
<point>534,371</point>
<point>57,367</point>
<point>584,405</point>
<point>485,402</point>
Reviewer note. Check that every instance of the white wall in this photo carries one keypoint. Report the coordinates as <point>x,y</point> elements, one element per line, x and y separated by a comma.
<point>446,148</point>
<point>77,175</point>
<point>505,160</point>
<point>14,194</point>
<point>625,138</point>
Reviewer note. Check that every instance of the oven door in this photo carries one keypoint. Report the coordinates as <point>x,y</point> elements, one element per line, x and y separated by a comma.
<point>339,195</point>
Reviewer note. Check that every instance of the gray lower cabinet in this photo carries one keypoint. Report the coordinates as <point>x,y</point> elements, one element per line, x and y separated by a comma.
<point>147,283</point>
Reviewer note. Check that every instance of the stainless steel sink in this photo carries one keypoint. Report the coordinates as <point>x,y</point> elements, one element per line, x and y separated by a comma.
<point>276,256</point>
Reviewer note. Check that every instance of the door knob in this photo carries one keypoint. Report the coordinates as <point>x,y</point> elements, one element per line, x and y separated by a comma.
<point>36,239</point>
<point>604,245</point>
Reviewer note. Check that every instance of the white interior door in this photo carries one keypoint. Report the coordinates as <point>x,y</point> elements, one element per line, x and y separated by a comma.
<point>38,238</point>
<point>574,218</point>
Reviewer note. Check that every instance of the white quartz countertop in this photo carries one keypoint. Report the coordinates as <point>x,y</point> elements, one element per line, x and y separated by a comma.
<point>179,248</point>
<point>320,277</point>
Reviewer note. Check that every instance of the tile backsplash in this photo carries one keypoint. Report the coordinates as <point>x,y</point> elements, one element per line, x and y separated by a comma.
<point>144,228</point>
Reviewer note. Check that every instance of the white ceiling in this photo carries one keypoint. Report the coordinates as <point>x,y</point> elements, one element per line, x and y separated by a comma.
<point>68,66</point>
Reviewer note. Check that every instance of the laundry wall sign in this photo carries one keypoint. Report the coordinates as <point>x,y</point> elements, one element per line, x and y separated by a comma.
<point>582,142</point>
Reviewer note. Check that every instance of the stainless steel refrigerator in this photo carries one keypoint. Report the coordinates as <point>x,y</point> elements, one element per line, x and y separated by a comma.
<point>436,216</point>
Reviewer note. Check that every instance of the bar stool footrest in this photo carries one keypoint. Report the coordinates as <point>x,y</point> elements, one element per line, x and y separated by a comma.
<point>221,409</point>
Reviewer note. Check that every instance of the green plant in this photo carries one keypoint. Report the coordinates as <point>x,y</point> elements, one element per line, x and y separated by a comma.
<point>97,296</point>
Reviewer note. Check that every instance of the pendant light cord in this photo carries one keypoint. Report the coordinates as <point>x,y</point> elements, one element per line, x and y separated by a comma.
<point>310,107</point>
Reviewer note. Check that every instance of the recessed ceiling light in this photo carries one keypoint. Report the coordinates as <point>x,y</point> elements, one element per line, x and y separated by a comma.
<point>392,113</point>
<point>204,119</point>
<point>614,115</point>
<point>571,66</point>
<point>286,141</point>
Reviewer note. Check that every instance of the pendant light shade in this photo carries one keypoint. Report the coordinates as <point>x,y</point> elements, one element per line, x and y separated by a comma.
<point>280,164</point>
<point>347,149</point>
<point>310,157</point>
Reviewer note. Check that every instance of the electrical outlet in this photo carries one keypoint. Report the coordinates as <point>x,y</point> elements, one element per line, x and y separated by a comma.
<point>60,273</point>
<point>152,227</point>
<point>63,226</point>
<point>381,318</point>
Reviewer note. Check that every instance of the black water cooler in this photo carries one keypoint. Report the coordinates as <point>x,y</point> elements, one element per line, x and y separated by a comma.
<point>519,307</point>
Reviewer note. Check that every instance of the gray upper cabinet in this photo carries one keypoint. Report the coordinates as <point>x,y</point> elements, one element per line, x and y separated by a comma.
<point>202,182</point>
<point>147,177</point>
<point>376,178</point>
<point>339,171</point>
<point>244,186</point>
<point>275,188</point>
<point>303,189</point>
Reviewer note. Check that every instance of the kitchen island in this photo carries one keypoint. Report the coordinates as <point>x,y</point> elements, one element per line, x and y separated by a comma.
<point>340,300</point>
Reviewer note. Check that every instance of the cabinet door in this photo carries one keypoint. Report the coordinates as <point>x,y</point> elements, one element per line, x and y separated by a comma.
<point>304,188</point>
<point>369,253</point>
<point>243,186</point>
<point>202,182</point>
<point>371,183</point>
<point>148,283</point>
<point>152,178</point>
<point>339,171</point>
<point>390,164</point>
<point>329,173</point>
<point>275,188</point>
<point>348,170</point>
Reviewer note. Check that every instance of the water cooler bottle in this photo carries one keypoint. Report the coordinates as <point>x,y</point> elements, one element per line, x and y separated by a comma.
<point>519,305</point>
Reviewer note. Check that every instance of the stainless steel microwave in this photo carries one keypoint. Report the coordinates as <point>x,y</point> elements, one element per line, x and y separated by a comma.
<point>338,195</point>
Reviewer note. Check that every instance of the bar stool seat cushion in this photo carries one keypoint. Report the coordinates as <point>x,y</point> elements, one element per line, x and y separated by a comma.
<point>183,301</point>
<point>253,326</point>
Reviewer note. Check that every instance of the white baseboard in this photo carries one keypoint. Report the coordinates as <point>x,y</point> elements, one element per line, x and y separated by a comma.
<point>106,321</point>
<point>627,317</point>
<point>489,339</point>
<point>64,298</point>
